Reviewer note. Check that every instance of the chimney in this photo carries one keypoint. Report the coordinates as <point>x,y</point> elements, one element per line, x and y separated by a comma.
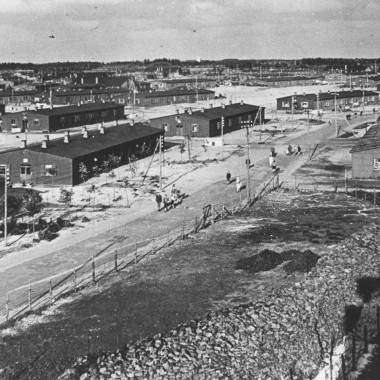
<point>96,80</point>
<point>230,101</point>
<point>241,103</point>
<point>46,137</point>
<point>66,137</point>
<point>84,129</point>
<point>190,111</point>
<point>132,123</point>
<point>202,109</point>
<point>85,134</point>
<point>223,105</point>
<point>177,111</point>
<point>102,130</point>
<point>23,143</point>
<point>211,105</point>
<point>81,80</point>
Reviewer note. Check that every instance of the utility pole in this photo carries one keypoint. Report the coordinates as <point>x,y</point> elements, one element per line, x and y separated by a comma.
<point>222,127</point>
<point>5,206</point>
<point>363,100</point>
<point>246,125</point>
<point>336,121</point>
<point>160,159</point>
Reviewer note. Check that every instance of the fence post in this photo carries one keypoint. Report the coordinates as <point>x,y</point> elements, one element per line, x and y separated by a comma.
<point>7,308</point>
<point>232,206</point>
<point>223,210</point>
<point>30,297</point>
<point>51,292</point>
<point>365,332</point>
<point>374,196</point>
<point>75,280</point>
<point>135,253</point>
<point>153,246</point>
<point>353,352</point>
<point>93,270</point>
<point>115,260</point>
<point>343,367</point>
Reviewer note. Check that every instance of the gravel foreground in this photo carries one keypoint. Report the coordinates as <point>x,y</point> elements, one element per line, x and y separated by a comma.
<point>286,335</point>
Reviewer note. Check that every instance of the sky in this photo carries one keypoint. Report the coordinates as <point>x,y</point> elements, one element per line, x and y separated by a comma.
<point>125,30</point>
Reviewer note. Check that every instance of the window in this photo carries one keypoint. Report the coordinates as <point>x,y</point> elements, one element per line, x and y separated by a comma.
<point>62,120</point>
<point>194,127</point>
<point>166,127</point>
<point>76,118</point>
<point>304,104</point>
<point>13,121</point>
<point>230,122</point>
<point>155,100</point>
<point>36,122</point>
<point>376,164</point>
<point>285,104</point>
<point>50,170</point>
<point>25,170</point>
<point>218,125</point>
<point>250,117</point>
<point>103,114</point>
<point>114,113</point>
<point>239,119</point>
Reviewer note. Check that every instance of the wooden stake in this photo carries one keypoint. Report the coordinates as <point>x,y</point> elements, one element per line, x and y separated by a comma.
<point>115,260</point>
<point>75,280</point>
<point>51,292</point>
<point>93,270</point>
<point>30,297</point>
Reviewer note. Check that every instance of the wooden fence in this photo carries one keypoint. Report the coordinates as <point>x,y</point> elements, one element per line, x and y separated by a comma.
<point>41,294</point>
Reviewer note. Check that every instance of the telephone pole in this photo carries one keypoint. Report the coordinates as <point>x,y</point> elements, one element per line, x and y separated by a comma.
<point>336,121</point>
<point>246,125</point>
<point>5,206</point>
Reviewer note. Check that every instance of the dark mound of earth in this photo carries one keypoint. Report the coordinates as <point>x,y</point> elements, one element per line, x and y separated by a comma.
<point>296,261</point>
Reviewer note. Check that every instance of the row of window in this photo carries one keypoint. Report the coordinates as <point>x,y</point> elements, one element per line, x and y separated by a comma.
<point>87,117</point>
<point>328,103</point>
<point>49,170</point>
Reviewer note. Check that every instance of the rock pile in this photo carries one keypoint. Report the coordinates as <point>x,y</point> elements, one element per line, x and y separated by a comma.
<point>288,333</point>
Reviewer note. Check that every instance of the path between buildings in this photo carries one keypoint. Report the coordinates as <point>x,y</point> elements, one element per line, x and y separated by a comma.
<point>142,222</point>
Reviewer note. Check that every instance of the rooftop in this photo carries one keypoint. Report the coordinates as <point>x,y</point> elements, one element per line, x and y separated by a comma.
<point>218,112</point>
<point>371,140</point>
<point>174,92</point>
<point>330,95</point>
<point>281,79</point>
<point>79,146</point>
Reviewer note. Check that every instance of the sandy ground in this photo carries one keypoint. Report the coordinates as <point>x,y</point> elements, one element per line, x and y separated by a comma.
<point>136,200</point>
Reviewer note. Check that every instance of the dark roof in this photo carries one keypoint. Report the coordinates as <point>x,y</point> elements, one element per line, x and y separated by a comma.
<point>371,140</point>
<point>93,92</point>
<point>96,142</point>
<point>329,95</point>
<point>282,79</point>
<point>174,92</point>
<point>9,92</point>
<point>187,80</point>
<point>218,112</point>
<point>67,110</point>
<point>114,81</point>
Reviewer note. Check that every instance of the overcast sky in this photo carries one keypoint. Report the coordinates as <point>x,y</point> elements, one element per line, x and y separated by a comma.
<point>112,30</point>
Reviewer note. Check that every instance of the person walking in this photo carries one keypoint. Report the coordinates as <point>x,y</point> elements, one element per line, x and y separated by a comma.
<point>299,151</point>
<point>228,177</point>
<point>238,184</point>
<point>166,203</point>
<point>271,159</point>
<point>158,201</point>
<point>174,200</point>
<point>274,167</point>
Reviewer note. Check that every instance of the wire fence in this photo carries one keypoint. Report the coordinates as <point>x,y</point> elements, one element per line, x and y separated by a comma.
<point>41,294</point>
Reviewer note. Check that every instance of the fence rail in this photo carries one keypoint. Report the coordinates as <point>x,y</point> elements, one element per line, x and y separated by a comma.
<point>41,294</point>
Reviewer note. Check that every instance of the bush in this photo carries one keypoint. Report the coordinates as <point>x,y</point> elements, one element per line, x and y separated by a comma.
<point>351,317</point>
<point>366,287</point>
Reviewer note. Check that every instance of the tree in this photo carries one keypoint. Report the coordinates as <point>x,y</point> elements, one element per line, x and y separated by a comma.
<point>84,173</point>
<point>32,203</point>
<point>66,196</point>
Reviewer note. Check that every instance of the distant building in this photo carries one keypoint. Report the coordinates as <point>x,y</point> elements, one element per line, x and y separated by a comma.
<point>208,122</point>
<point>59,161</point>
<point>365,155</point>
<point>175,96</point>
<point>326,100</point>
<point>170,84</point>
<point>11,96</point>
<point>50,120</point>
<point>285,81</point>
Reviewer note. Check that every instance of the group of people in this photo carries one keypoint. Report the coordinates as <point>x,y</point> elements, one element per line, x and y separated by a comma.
<point>238,181</point>
<point>290,151</point>
<point>169,202</point>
